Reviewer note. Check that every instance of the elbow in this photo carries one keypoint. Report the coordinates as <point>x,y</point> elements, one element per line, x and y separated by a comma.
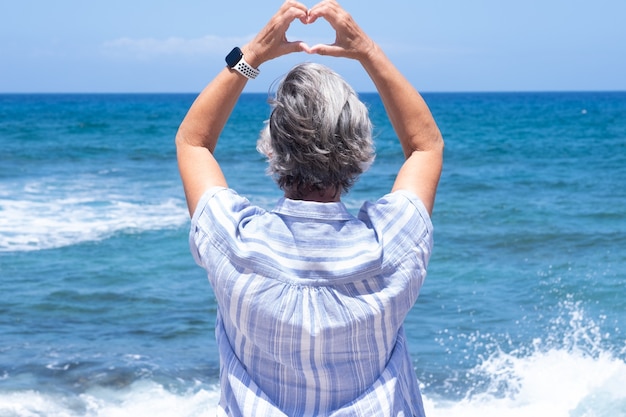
<point>436,136</point>
<point>430,141</point>
<point>189,136</point>
<point>439,143</point>
<point>182,138</point>
<point>435,142</point>
<point>179,139</point>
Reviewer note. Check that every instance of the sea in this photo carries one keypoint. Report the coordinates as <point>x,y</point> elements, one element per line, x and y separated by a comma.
<point>103,311</point>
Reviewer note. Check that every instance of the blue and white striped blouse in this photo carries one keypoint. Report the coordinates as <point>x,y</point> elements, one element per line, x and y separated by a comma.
<point>311,302</point>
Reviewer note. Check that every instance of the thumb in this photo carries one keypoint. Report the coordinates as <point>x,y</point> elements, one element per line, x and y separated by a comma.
<point>302,46</point>
<point>324,49</point>
<point>295,46</point>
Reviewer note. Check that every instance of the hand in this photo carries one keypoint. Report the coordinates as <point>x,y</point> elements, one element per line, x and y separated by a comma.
<point>271,42</point>
<point>350,41</point>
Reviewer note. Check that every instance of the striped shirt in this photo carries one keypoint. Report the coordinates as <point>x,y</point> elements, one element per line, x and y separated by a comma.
<point>311,301</point>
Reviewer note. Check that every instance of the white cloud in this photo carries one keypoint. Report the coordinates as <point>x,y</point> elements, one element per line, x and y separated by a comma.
<point>173,46</point>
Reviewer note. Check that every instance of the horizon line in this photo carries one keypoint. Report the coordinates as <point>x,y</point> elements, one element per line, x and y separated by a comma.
<point>2,93</point>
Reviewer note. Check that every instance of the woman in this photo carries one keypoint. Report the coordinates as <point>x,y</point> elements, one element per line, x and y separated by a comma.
<point>311,299</point>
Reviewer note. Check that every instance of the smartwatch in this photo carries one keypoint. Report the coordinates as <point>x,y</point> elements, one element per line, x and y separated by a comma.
<point>236,61</point>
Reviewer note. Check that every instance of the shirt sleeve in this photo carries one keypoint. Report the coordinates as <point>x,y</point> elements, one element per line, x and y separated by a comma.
<point>405,231</point>
<point>419,206</point>
<point>197,234</point>
<point>218,223</point>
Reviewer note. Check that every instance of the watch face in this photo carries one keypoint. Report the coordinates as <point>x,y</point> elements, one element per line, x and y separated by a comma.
<point>233,57</point>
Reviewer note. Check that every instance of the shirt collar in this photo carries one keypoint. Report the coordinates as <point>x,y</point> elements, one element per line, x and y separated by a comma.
<point>312,209</point>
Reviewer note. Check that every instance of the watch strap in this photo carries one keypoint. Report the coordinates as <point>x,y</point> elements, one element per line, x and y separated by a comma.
<point>246,69</point>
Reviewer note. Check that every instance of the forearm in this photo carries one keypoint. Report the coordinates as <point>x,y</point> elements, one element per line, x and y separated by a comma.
<point>407,110</point>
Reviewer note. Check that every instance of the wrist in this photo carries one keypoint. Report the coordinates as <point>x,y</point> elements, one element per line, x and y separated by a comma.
<point>251,57</point>
<point>236,60</point>
<point>371,54</point>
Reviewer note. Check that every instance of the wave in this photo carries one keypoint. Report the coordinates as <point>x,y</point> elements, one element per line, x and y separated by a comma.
<point>143,398</point>
<point>577,374</point>
<point>552,384</point>
<point>49,217</point>
<point>575,371</point>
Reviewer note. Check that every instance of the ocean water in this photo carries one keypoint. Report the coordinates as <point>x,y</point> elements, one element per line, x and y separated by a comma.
<point>104,313</point>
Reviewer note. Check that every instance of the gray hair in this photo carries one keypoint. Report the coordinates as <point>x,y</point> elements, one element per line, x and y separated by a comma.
<point>319,135</point>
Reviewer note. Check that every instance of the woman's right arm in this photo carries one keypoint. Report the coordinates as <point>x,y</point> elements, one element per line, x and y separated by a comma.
<point>410,116</point>
<point>199,132</point>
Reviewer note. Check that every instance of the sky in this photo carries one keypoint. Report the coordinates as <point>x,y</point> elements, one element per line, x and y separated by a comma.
<point>110,46</point>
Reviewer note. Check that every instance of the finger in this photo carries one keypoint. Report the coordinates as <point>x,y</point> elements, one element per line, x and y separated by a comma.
<point>295,10</point>
<point>279,24</point>
<point>323,49</point>
<point>271,42</point>
<point>304,15</point>
<point>289,11</point>
<point>327,9</point>
<point>295,46</point>
<point>303,47</point>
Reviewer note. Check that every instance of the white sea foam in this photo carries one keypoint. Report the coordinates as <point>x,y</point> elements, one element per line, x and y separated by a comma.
<point>570,375</point>
<point>555,383</point>
<point>46,217</point>
<point>141,399</point>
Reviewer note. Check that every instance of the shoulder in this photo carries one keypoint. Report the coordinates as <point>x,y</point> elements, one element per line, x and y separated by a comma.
<point>397,210</point>
<point>402,226</point>
<point>219,214</point>
<point>221,202</point>
<point>221,194</point>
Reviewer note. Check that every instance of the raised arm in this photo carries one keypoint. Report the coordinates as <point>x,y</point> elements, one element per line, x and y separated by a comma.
<point>198,133</point>
<point>410,116</point>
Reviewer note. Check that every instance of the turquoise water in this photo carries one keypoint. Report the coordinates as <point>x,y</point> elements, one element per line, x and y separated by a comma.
<point>104,313</point>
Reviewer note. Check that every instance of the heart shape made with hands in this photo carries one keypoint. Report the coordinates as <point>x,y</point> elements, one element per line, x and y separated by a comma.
<point>319,32</point>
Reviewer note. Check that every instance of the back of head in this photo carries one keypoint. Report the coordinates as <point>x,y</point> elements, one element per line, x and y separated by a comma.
<point>319,136</point>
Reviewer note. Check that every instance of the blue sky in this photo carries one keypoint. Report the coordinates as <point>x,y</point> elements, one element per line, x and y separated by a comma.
<point>441,45</point>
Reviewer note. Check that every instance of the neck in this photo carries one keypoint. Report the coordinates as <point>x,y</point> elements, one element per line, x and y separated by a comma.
<point>319,196</point>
